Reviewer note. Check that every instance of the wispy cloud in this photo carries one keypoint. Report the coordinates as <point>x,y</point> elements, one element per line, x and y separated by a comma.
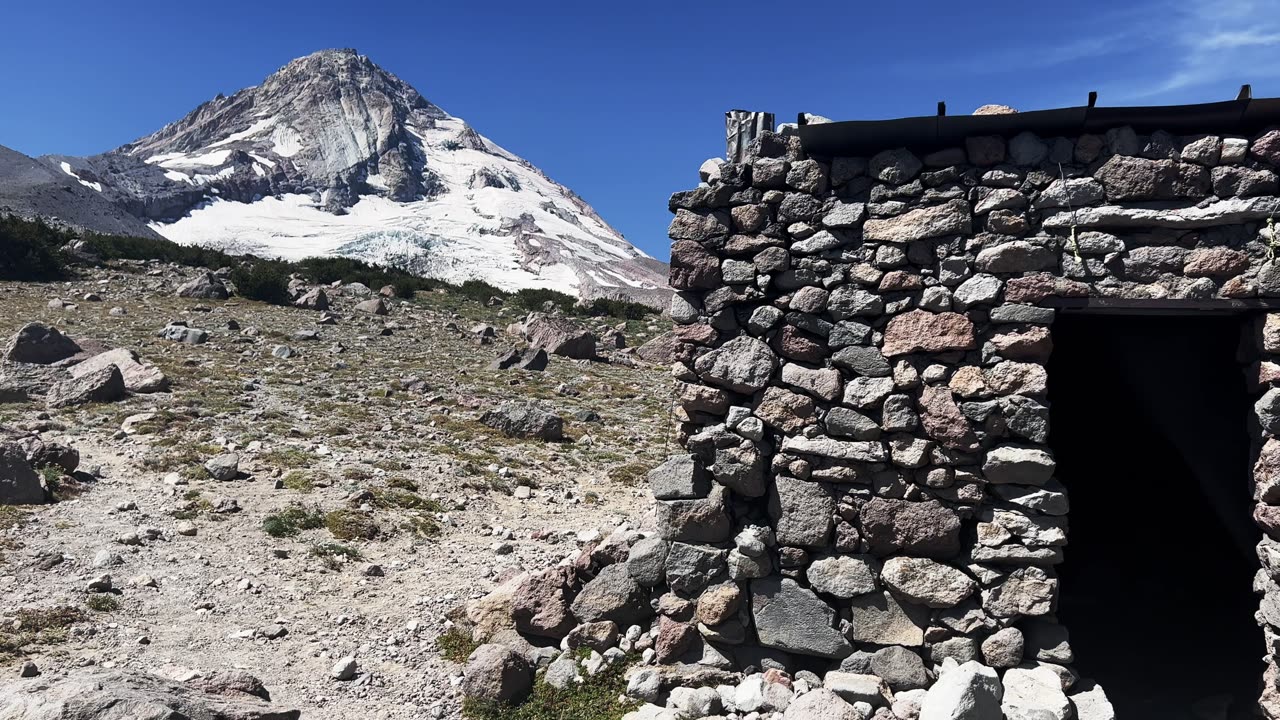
<point>1154,50</point>
<point>1210,43</point>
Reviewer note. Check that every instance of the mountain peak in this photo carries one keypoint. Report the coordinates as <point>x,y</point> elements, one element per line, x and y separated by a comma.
<point>345,158</point>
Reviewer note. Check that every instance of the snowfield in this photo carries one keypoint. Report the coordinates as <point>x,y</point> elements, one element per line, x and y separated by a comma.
<point>332,155</point>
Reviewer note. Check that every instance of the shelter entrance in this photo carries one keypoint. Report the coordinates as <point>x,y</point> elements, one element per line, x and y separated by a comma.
<point>1148,425</point>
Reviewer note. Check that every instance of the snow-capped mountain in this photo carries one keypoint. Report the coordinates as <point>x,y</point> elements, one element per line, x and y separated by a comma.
<point>334,155</point>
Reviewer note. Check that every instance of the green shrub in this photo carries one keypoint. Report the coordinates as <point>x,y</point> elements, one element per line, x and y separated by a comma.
<point>292,520</point>
<point>536,298</point>
<point>456,645</point>
<point>333,555</point>
<point>29,250</point>
<point>351,525</point>
<point>594,699</point>
<point>262,280</point>
<point>115,247</point>
<point>102,603</point>
<point>38,626</point>
<point>621,309</point>
<point>346,270</point>
<point>477,290</point>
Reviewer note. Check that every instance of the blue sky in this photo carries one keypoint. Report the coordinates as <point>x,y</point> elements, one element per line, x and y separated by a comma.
<point>621,101</point>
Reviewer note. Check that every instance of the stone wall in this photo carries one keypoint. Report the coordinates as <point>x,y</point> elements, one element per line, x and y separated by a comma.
<point>861,388</point>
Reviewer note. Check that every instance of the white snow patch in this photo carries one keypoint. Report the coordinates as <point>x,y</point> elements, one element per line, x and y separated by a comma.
<point>249,132</point>
<point>211,159</point>
<point>161,159</point>
<point>223,173</point>
<point>292,227</point>
<point>66,168</point>
<point>176,176</point>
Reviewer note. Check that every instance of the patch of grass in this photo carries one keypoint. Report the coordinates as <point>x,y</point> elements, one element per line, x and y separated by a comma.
<point>101,602</point>
<point>161,423</point>
<point>456,645</point>
<point>51,474</point>
<point>299,481</point>
<point>420,524</point>
<point>289,457</point>
<point>355,473</point>
<point>182,455</point>
<point>194,503</point>
<point>402,483</point>
<point>333,555</point>
<point>351,525</point>
<point>38,626</point>
<point>629,474</point>
<point>595,699</point>
<point>408,500</point>
<point>61,486</point>
<point>292,520</point>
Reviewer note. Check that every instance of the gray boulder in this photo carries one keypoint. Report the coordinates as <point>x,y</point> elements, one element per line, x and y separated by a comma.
<point>540,605</point>
<point>612,595</point>
<point>901,668</point>
<point>19,483</point>
<point>690,569</point>
<point>647,560</point>
<point>1090,702</point>
<point>1268,410</point>
<point>1019,465</point>
<point>103,385</point>
<point>821,704</point>
<point>376,306</point>
<point>40,344</point>
<point>206,286</point>
<point>1004,648</point>
<point>498,674</point>
<point>523,420</point>
<point>103,695</point>
<point>223,467</point>
<point>681,477</point>
<point>801,511</point>
<point>791,618</point>
<point>1034,694</point>
<point>843,576</point>
<point>702,520</point>
<point>879,618</point>
<point>857,687</point>
<point>598,636</point>
<point>927,582</point>
<point>184,334</point>
<point>139,377</point>
<point>314,300</point>
<point>534,359</point>
<point>744,364</point>
<point>559,336</point>
<point>971,691</point>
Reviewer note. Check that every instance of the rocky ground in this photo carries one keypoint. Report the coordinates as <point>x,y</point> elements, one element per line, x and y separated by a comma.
<point>369,500</point>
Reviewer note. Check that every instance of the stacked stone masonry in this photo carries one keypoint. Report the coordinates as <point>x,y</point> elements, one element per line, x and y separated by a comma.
<point>868,491</point>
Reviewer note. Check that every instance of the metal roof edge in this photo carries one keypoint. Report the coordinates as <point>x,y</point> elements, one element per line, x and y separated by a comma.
<point>1243,116</point>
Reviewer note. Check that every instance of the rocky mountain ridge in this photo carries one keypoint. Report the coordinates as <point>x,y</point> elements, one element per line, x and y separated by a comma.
<point>332,155</point>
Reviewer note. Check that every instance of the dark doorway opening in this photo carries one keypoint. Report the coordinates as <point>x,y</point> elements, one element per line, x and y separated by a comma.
<point>1148,425</point>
